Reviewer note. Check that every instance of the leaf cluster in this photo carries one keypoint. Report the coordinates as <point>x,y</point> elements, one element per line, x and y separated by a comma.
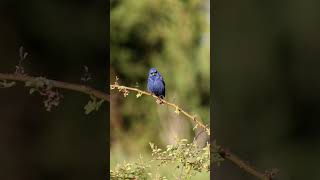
<point>136,170</point>
<point>187,156</point>
<point>44,87</point>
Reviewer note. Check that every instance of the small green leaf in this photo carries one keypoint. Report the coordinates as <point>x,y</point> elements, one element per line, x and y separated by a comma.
<point>28,83</point>
<point>151,145</point>
<point>139,94</point>
<point>5,84</point>
<point>93,105</point>
<point>195,127</point>
<point>98,104</point>
<point>32,90</point>
<point>89,107</point>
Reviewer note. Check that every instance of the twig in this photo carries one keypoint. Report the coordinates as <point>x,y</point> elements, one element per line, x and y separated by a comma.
<point>176,107</point>
<point>181,172</point>
<point>196,137</point>
<point>59,84</point>
<point>243,165</point>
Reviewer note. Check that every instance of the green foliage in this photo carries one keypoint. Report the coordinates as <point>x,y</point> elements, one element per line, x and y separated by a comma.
<point>187,156</point>
<point>137,170</point>
<point>93,105</point>
<point>5,84</point>
<point>216,158</point>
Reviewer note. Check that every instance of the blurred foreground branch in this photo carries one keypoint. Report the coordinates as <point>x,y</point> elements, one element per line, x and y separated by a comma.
<point>58,84</point>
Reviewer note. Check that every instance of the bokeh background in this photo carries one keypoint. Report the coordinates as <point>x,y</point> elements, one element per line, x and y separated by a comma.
<point>174,37</point>
<point>61,38</point>
<point>266,85</point>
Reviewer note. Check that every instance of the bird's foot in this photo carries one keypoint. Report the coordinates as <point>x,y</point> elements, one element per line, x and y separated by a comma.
<point>159,100</point>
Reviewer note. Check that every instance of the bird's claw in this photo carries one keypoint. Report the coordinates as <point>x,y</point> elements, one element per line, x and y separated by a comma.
<point>159,100</point>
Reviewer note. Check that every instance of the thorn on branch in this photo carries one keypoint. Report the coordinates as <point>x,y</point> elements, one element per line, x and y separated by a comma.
<point>272,173</point>
<point>177,110</point>
<point>86,76</point>
<point>22,55</point>
<point>116,82</point>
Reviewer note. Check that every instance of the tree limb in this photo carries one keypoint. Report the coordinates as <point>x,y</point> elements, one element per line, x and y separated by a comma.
<point>59,84</point>
<point>244,166</point>
<point>178,110</point>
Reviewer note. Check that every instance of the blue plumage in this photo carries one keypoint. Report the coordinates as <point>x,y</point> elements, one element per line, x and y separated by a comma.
<point>156,83</point>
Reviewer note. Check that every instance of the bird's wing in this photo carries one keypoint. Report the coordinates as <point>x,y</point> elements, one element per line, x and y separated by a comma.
<point>161,78</point>
<point>148,84</point>
<point>164,87</point>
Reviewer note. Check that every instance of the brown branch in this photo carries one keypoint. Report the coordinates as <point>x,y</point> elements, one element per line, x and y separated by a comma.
<point>178,110</point>
<point>102,95</point>
<point>59,84</point>
<point>245,166</point>
<point>225,154</point>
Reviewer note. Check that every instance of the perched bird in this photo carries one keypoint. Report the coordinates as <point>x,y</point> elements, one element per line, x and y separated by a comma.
<point>156,83</point>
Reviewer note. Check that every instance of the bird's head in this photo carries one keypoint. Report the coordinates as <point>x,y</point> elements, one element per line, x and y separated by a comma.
<point>153,72</point>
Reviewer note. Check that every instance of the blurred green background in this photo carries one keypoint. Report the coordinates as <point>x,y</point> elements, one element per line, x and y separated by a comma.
<point>61,37</point>
<point>266,85</point>
<point>174,37</point>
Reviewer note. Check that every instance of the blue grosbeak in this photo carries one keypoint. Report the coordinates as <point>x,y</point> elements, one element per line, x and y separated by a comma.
<point>156,83</point>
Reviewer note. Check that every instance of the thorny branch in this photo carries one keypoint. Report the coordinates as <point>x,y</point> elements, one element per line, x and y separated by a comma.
<point>178,110</point>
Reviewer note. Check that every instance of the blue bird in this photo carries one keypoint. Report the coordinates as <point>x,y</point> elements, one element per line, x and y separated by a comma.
<point>156,83</point>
